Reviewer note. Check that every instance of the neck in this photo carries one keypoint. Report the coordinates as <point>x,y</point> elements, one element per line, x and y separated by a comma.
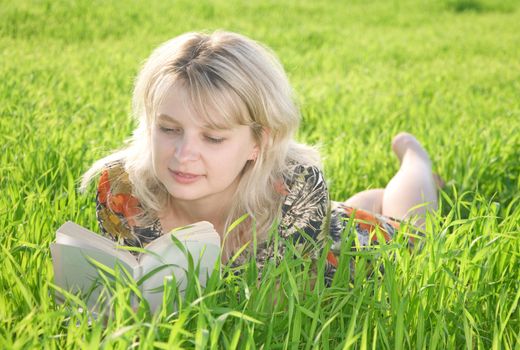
<point>181,213</point>
<point>201,211</point>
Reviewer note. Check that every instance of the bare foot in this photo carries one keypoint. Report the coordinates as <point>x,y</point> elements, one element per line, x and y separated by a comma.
<point>439,181</point>
<point>405,142</point>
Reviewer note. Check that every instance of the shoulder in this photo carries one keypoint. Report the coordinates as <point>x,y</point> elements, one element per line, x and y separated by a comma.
<point>304,178</point>
<point>114,180</point>
<point>119,212</point>
<point>115,196</point>
<point>305,205</point>
<point>115,190</point>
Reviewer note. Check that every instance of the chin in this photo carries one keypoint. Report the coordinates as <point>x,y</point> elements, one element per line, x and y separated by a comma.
<point>183,194</point>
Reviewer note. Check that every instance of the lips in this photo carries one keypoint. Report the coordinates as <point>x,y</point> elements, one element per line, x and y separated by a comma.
<point>185,178</point>
<point>186,175</point>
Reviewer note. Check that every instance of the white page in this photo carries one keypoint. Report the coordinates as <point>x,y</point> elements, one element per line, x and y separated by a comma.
<point>74,272</point>
<point>200,231</point>
<point>205,254</point>
<point>73,234</point>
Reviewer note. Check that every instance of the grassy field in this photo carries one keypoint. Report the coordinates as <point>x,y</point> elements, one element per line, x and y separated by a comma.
<point>447,71</point>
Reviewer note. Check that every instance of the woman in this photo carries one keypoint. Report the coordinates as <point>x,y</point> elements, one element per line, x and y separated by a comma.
<point>216,119</point>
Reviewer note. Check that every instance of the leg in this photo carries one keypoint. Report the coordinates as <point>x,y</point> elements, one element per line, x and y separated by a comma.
<point>371,200</point>
<point>413,185</point>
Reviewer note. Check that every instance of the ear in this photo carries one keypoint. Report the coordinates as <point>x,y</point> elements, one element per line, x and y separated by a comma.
<point>254,154</point>
<point>266,135</point>
<point>262,145</point>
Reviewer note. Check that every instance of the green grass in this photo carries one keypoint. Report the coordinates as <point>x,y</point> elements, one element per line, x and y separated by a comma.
<point>447,71</point>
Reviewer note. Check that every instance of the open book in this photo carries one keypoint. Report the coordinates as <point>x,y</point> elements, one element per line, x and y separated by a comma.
<point>77,251</point>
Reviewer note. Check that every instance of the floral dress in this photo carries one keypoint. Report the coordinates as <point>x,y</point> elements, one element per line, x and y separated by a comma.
<point>304,215</point>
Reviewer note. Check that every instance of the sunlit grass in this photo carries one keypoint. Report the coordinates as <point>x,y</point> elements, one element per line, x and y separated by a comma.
<point>446,71</point>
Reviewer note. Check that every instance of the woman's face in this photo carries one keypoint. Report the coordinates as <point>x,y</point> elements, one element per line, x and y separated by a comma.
<point>194,161</point>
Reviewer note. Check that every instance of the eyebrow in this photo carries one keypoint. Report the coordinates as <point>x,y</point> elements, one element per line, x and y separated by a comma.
<point>166,116</point>
<point>206,126</point>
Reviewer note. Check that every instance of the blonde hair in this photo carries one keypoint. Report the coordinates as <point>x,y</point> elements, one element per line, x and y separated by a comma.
<point>244,81</point>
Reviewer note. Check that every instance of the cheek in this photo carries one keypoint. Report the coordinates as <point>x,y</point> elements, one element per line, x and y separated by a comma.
<point>161,147</point>
<point>224,162</point>
<point>238,156</point>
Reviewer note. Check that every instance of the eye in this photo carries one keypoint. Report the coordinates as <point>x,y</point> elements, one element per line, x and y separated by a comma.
<point>214,139</point>
<point>174,131</point>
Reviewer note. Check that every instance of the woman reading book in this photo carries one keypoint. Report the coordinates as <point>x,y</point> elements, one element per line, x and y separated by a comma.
<point>216,120</point>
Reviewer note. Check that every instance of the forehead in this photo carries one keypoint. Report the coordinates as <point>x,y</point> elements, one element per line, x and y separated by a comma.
<point>211,108</point>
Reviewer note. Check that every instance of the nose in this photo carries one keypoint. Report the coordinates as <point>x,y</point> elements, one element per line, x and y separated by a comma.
<point>187,149</point>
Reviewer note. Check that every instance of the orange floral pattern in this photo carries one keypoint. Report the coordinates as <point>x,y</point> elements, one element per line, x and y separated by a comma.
<point>117,208</point>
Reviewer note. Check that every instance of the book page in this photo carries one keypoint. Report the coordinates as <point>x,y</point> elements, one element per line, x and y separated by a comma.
<point>168,260</point>
<point>202,231</point>
<point>76,235</point>
<point>74,272</point>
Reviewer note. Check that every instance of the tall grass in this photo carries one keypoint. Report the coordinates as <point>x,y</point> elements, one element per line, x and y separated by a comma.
<point>446,71</point>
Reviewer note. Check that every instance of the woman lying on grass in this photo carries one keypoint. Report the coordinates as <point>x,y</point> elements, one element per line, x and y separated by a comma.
<point>217,118</point>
